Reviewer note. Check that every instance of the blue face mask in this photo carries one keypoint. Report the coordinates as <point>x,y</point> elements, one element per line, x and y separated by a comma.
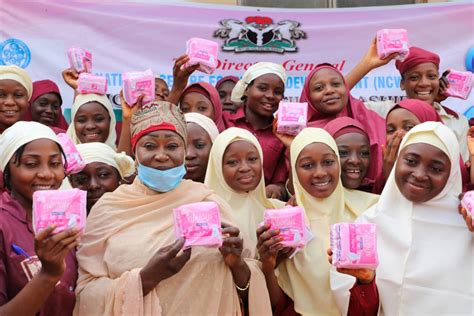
<point>161,180</point>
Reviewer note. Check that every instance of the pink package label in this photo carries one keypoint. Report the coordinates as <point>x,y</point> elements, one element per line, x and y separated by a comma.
<point>75,163</point>
<point>88,83</point>
<point>354,245</point>
<point>391,41</point>
<point>468,203</point>
<point>460,84</point>
<point>292,117</point>
<point>137,83</point>
<point>63,208</point>
<point>80,59</point>
<point>202,52</point>
<point>290,221</point>
<point>199,223</point>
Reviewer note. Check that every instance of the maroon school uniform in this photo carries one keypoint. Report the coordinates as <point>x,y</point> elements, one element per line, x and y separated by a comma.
<point>274,166</point>
<point>15,267</point>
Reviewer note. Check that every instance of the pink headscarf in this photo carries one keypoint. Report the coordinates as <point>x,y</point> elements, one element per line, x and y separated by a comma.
<point>422,110</point>
<point>42,87</point>
<point>373,124</point>
<point>211,93</point>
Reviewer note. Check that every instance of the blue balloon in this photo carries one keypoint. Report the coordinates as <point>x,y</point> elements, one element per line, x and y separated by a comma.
<point>470,59</point>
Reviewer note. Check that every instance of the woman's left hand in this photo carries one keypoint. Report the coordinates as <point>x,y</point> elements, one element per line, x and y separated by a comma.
<point>232,246</point>
<point>443,86</point>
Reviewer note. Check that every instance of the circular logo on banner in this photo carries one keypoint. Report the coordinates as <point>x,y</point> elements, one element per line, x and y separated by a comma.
<point>14,52</point>
<point>470,59</point>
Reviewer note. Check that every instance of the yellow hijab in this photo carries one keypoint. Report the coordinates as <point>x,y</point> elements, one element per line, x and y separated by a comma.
<point>305,278</point>
<point>247,207</point>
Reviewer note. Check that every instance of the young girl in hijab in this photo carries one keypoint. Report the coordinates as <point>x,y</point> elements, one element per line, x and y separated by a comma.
<point>420,80</point>
<point>261,89</point>
<point>92,120</point>
<point>419,234</point>
<point>162,92</point>
<point>400,119</point>
<point>354,152</point>
<point>328,97</point>
<point>203,98</point>
<point>104,172</point>
<point>201,135</point>
<point>16,89</point>
<point>45,106</point>
<point>37,273</point>
<point>225,86</point>
<point>301,284</point>
<point>128,259</point>
<point>235,173</point>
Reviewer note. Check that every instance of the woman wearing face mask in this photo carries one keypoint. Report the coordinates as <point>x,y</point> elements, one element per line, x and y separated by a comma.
<point>419,234</point>
<point>104,172</point>
<point>202,132</point>
<point>301,285</point>
<point>130,260</point>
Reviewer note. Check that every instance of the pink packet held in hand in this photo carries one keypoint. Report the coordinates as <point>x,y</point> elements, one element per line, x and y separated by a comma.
<point>75,163</point>
<point>88,83</point>
<point>63,208</point>
<point>80,59</point>
<point>468,203</point>
<point>392,41</point>
<point>199,223</point>
<point>292,117</point>
<point>354,245</point>
<point>460,84</point>
<point>202,52</point>
<point>291,223</point>
<point>137,83</point>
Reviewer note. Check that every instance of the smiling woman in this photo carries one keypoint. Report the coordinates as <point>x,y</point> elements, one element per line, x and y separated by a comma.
<point>15,92</point>
<point>93,120</point>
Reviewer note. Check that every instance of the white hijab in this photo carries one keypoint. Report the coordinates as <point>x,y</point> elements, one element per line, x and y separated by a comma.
<point>426,252</point>
<point>82,99</point>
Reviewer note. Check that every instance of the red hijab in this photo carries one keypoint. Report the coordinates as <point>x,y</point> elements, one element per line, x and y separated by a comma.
<point>372,123</point>
<point>234,79</point>
<point>211,93</point>
<point>42,87</point>
<point>345,125</point>
<point>422,110</point>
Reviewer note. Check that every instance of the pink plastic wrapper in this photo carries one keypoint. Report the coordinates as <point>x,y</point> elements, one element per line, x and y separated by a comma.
<point>291,223</point>
<point>199,223</point>
<point>80,59</point>
<point>460,84</point>
<point>75,163</point>
<point>137,83</point>
<point>354,245</point>
<point>63,208</point>
<point>468,203</point>
<point>202,52</point>
<point>292,117</point>
<point>391,41</point>
<point>88,83</point>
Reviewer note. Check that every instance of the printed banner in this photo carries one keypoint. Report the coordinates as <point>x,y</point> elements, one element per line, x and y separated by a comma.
<point>125,36</point>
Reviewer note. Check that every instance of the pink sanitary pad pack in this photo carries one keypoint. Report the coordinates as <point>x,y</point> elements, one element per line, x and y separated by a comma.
<point>137,83</point>
<point>202,52</point>
<point>88,83</point>
<point>460,84</point>
<point>292,117</point>
<point>75,163</point>
<point>291,223</point>
<point>392,41</point>
<point>354,245</point>
<point>63,208</point>
<point>199,223</point>
<point>468,203</point>
<point>80,59</point>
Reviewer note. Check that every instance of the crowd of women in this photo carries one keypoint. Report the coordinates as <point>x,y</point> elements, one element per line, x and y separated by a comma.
<point>400,166</point>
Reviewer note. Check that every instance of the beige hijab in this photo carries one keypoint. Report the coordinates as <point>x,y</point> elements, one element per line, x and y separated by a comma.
<point>125,229</point>
<point>305,278</point>
<point>247,207</point>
